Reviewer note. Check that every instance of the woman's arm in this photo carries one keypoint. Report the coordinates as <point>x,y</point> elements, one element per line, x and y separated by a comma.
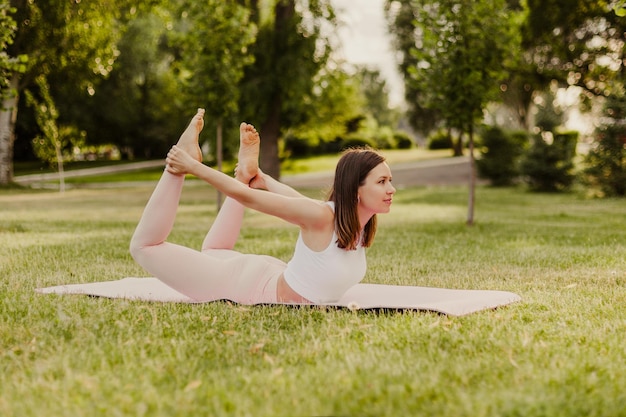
<point>264,181</point>
<point>296,209</point>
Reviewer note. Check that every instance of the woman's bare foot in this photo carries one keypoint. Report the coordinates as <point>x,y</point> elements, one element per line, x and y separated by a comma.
<point>188,141</point>
<point>249,143</point>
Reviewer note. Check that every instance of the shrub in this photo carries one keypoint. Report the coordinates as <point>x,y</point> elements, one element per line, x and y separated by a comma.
<point>298,147</point>
<point>550,166</point>
<point>440,140</point>
<point>383,138</point>
<point>606,162</point>
<point>403,140</point>
<point>354,141</point>
<point>500,154</point>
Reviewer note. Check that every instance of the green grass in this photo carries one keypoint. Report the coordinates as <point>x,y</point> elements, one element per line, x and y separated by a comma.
<point>559,352</point>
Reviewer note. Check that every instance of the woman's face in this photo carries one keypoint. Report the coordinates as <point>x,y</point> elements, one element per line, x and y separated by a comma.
<point>376,193</point>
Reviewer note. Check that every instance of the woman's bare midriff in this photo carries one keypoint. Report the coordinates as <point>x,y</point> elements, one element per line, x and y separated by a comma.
<point>285,294</point>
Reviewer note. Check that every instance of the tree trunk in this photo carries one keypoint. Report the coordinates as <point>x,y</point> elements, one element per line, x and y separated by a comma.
<point>457,146</point>
<point>284,12</point>
<point>472,179</point>
<point>270,132</point>
<point>220,157</point>
<point>8,115</point>
<point>60,170</point>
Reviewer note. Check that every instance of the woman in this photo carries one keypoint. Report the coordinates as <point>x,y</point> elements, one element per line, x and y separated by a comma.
<point>329,256</point>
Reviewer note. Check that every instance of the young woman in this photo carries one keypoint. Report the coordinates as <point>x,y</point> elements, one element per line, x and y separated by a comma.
<point>329,255</point>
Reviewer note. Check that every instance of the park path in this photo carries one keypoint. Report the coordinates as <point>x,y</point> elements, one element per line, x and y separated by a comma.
<point>443,171</point>
<point>86,172</point>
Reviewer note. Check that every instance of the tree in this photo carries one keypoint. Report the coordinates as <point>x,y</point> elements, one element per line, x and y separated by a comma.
<point>10,66</point>
<point>140,107</point>
<point>548,166</point>
<point>376,93</point>
<point>332,108</point>
<point>459,47</point>
<point>606,161</point>
<point>501,152</point>
<point>214,40</point>
<point>401,16</point>
<point>289,51</point>
<point>576,42</point>
<point>570,42</point>
<point>72,38</point>
<point>49,146</point>
<point>213,44</point>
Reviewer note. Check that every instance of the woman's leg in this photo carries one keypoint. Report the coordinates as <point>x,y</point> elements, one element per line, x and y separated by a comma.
<point>227,225</point>
<point>183,269</point>
<point>241,278</point>
<point>246,279</point>
<point>160,212</point>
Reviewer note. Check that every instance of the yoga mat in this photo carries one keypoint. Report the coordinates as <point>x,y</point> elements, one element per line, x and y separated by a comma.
<point>451,302</point>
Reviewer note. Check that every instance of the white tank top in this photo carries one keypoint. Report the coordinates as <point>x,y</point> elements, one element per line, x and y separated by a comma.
<point>323,277</point>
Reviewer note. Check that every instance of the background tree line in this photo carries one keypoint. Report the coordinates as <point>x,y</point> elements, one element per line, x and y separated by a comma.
<point>129,74</point>
<point>110,72</point>
<point>464,59</point>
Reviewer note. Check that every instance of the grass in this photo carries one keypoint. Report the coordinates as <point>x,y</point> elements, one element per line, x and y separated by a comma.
<point>559,352</point>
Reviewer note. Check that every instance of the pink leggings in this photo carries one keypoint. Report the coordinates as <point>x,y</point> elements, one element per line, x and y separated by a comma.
<point>215,273</point>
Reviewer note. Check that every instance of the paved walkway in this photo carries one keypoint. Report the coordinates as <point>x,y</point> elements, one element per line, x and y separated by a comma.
<point>76,173</point>
<point>444,171</point>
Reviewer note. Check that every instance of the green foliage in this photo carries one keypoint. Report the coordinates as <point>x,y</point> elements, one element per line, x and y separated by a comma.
<point>74,38</point>
<point>384,138</point>
<point>72,45</point>
<point>151,107</point>
<point>9,65</point>
<point>606,161</point>
<point>48,147</point>
<point>456,50</point>
<point>334,107</point>
<point>340,116</point>
<point>440,139</point>
<point>549,167</point>
<point>403,140</point>
<point>563,39</point>
<point>500,155</point>
<point>549,114</point>
<point>290,50</point>
<point>214,37</point>
<point>355,141</point>
<point>376,95</point>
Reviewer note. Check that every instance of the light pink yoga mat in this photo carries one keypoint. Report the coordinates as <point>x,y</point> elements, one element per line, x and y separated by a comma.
<point>362,296</point>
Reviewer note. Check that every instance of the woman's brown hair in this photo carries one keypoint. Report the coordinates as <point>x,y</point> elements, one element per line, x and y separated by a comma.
<point>352,168</point>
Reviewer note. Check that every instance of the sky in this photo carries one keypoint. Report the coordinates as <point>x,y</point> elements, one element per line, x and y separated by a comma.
<point>365,40</point>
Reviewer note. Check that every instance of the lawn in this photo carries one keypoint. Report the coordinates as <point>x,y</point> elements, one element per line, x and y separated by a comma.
<point>559,352</point>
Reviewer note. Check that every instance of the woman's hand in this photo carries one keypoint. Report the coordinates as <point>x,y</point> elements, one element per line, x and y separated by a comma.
<point>179,162</point>
<point>258,181</point>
